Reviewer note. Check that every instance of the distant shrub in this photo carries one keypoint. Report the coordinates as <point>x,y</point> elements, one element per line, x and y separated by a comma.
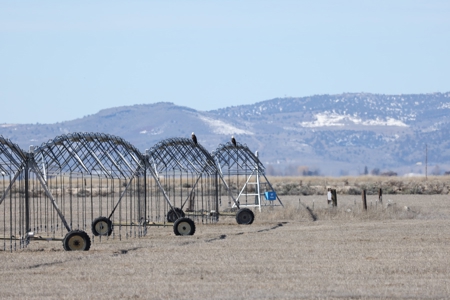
<point>307,191</point>
<point>289,189</point>
<point>390,190</point>
<point>389,173</point>
<point>354,191</point>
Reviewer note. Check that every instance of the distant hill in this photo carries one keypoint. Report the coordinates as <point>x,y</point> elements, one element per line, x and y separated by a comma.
<point>346,134</point>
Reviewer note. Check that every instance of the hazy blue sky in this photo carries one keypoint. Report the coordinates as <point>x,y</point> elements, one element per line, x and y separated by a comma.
<point>62,60</point>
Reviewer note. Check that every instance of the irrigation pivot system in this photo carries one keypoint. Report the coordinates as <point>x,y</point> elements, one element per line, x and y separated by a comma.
<point>84,186</point>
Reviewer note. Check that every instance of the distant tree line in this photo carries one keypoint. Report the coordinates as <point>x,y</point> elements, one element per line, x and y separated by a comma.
<point>291,170</point>
<point>296,170</point>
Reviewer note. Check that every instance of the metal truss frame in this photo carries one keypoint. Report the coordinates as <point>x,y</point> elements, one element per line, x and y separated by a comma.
<point>237,160</point>
<point>183,157</point>
<point>12,162</point>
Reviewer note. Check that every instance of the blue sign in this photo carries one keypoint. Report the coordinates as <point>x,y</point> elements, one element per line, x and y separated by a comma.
<point>270,196</point>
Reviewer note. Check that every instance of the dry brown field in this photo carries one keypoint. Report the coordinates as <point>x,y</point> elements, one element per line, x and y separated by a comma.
<point>397,252</point>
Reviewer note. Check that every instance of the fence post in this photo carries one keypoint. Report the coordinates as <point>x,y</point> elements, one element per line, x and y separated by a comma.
<point>380,195</point>
<point>334,197</point>
<point>364,200</point>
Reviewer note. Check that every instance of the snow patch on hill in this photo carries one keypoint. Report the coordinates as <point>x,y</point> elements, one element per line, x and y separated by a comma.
<point>220,127</point>
<point>334,119</point>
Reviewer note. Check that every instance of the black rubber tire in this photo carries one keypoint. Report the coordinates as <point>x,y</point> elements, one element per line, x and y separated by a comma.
<point>245,216</point>
<point>174,214</point>
<point>102,226</point>
<point>184,226</point>
<point>77,240</point>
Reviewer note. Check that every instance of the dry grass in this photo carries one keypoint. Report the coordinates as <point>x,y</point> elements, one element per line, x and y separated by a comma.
<point>349,208</point>
<point>382,253</point>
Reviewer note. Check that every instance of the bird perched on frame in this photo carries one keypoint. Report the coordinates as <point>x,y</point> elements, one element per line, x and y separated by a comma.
<point>233,140</point>
<point>194,138</point>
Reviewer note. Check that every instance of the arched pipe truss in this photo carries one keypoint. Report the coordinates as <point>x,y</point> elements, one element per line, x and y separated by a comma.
<point>186,160</point>
<point>12,162</point>
<point>90,154</point>
<point>235,161</point>
<point>14,210</point>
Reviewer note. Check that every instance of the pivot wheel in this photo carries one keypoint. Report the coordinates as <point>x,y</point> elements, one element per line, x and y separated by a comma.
<point>174,214</point>
<point>184,226</point>
<point>102,226</point>
<point>76,240</point>
<point>245,216</point>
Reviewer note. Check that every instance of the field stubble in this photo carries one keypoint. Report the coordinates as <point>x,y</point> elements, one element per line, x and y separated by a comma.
<point>347,253</point>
